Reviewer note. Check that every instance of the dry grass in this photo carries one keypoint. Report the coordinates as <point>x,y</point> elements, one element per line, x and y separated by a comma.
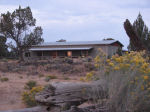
<point>10,91</point>
<point>20,73</point>
<point>128,82</point>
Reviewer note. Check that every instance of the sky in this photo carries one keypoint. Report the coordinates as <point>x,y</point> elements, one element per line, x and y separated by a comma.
<point>83,20</point>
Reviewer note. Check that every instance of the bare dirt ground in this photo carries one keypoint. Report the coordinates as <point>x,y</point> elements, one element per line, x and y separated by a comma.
<point>65,70</point>
<point>10,91</point>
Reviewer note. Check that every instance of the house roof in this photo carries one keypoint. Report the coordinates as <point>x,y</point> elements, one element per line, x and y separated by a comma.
<point>55,49</point>
<point>103,42</point>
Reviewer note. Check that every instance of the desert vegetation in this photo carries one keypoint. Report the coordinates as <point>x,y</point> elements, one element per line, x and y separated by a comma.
<point>19,78</point>
<point>28,97</point>
<point>120,83</point>
<point>127,78</point>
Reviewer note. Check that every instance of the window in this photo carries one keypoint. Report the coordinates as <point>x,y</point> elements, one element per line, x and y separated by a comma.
<point>69,53</point>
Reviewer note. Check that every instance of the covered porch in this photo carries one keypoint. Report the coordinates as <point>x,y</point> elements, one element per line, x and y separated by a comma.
<point>47,53</point>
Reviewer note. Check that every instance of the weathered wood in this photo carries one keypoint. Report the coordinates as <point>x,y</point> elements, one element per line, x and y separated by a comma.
<point>34,109</point>
<point>64,95</point>
<point>97,108</point>
<point>59,97</point>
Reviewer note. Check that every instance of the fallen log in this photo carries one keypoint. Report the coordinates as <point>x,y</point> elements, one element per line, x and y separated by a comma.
<point>34,109</point>
<point>65,95</point>
<point>97,108</point>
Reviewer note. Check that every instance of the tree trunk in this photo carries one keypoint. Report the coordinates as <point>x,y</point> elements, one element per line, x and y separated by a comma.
<point>21,55</point>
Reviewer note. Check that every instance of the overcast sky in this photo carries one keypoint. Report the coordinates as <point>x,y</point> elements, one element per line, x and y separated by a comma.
<point>80,20</point>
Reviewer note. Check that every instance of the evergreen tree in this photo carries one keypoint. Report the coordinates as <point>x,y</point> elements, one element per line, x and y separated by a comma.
<point>3,46</point>
<point>142,32</point>
<point>18,26</point>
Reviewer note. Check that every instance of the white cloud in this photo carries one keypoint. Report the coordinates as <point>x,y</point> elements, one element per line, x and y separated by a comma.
<point>5,8</point>
<point>84,19</point>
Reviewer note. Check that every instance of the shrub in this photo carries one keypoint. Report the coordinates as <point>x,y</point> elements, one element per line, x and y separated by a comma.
<point>49,77</point>
<point>21,77</point>
<point>5,60</point>
<point>128,79</point>
<point>30,84</point>
<point>66,78</point>
<point>82,79</point>
<point>89,66</point>
<point>41,75</point>
<point>68,60</point>
<point>4,79</point>
<point>89,77</point>
<point>28,97</point>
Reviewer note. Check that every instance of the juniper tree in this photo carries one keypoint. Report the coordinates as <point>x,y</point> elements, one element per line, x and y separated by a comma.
<point>3,46</point>
<point>20,26</point>
<point>142,33</point>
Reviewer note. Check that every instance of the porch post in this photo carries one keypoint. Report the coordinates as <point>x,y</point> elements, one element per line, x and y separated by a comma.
<point>42,54</point>
<point>56,54</point>
<point>87,53</point>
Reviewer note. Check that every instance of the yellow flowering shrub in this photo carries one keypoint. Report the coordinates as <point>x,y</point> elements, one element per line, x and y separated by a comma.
<point>128,78</point>
<point>28,97</point>
<point>89,77</point>
<point>100,59</point>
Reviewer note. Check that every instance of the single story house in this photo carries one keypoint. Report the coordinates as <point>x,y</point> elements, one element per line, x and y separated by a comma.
<point>72,49</point>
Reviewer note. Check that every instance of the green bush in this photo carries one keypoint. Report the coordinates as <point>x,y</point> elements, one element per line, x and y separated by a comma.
<point>20,77</point>
<point>49,77</point>
<point>4,79</point>
<point>41,75</point>
<point>66,78</point>
<point>30,84</point>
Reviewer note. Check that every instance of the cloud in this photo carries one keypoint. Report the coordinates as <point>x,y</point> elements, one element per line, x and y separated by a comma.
<point>83,19</point>
<point>5,8</point>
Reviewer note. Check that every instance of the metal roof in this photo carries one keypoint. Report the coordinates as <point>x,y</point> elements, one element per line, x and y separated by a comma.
<point>103,42</point>
<point>55,49</point>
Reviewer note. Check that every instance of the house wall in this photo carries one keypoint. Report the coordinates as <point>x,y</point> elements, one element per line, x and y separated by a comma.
<point>112,50</point>
<point>94,52</point>
<point>109,50</point>
<point>76,53</point>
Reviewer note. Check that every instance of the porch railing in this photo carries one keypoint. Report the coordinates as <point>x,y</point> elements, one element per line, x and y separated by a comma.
<point>48,57</point>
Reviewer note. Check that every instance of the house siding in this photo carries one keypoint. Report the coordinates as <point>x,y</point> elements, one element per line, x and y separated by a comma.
<point>109,50</point>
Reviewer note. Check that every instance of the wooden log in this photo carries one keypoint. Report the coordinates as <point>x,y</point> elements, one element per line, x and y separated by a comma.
<point>59,97</point>
<point>96,108</point>
<point>64,95</point>
<point>34,109</point>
